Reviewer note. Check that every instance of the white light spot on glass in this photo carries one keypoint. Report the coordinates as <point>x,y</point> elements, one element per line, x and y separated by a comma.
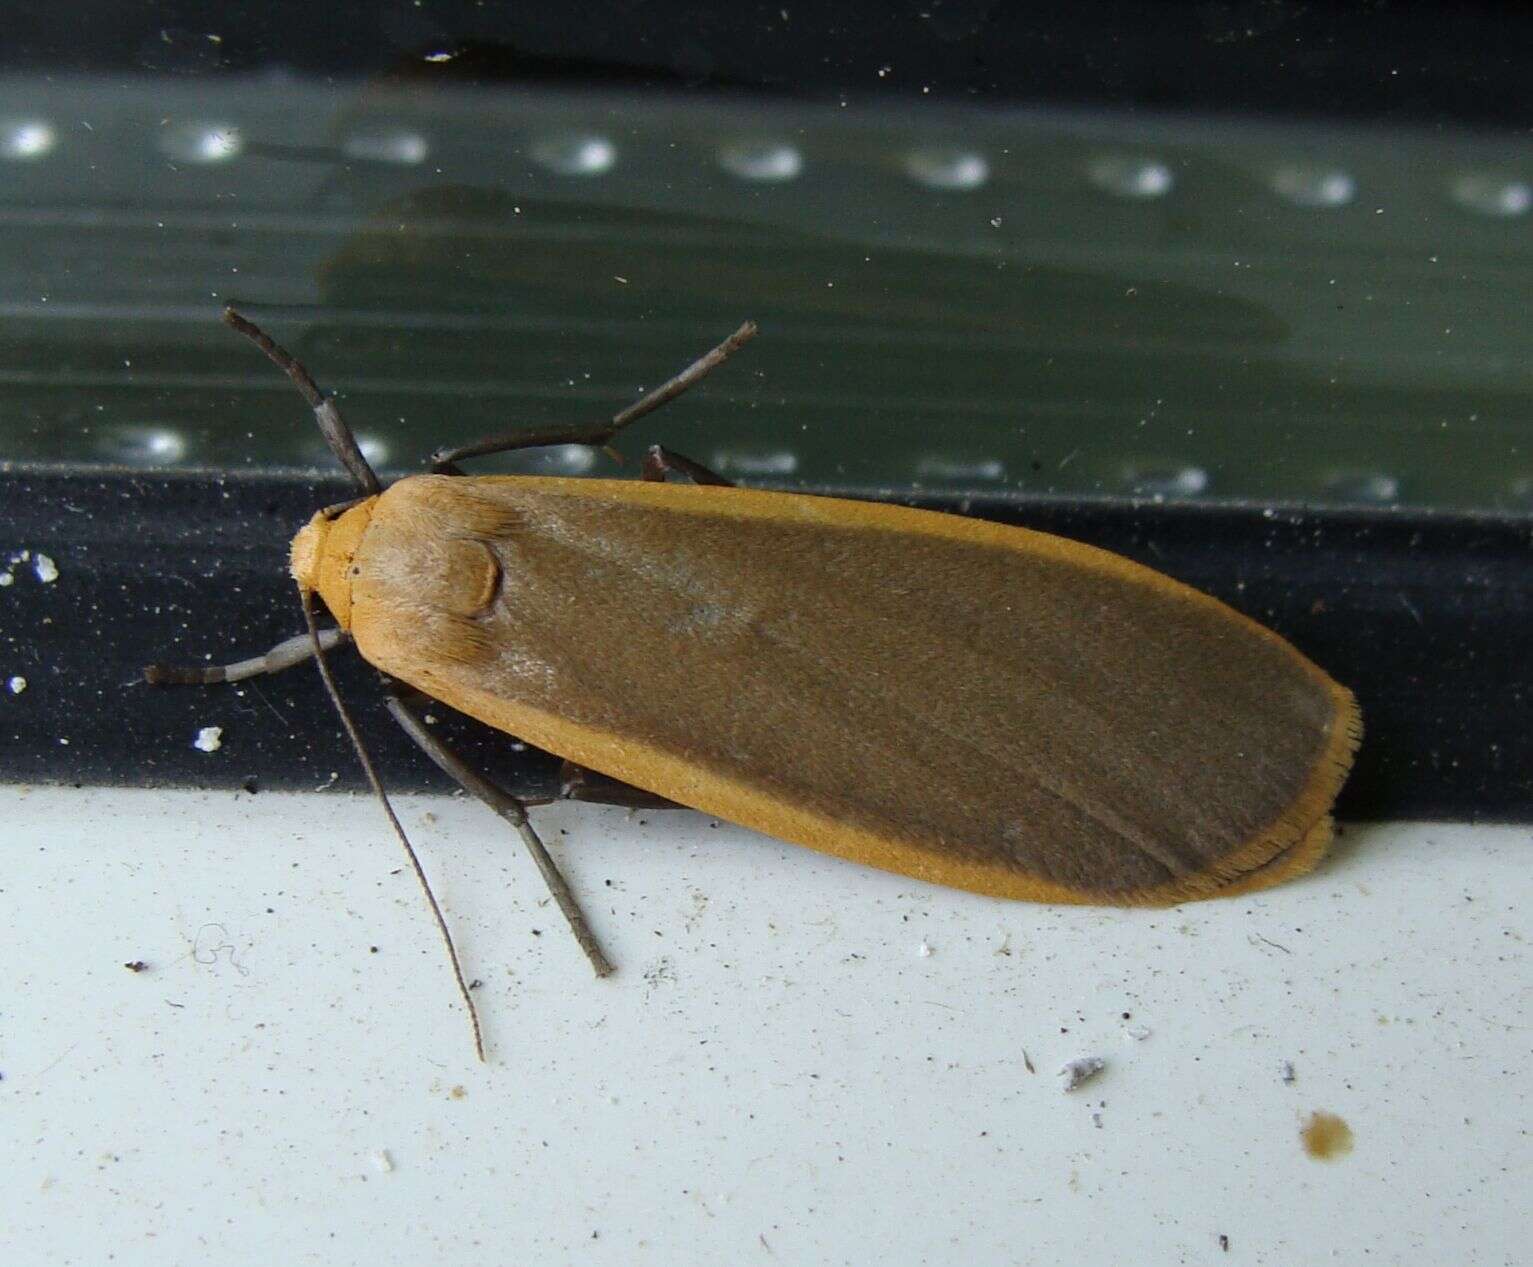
<point>554,459</point>
<point>943,467</point>
<point>375,449</point>
<point>572,459</point>
<point>1132,177</point>
<point>26,138</point>
<point>755,461</point>
<point>399,145</point>
<point>1363,486</point>
<point>1169,479</point>
<point>203,143</point>
<point>209,739</point>
<point>142,446</point>
<point>947,169</point>
<point>1493,195</point>
<point>1314,186</point>
<point>762,161</point>
<point>583,155</point>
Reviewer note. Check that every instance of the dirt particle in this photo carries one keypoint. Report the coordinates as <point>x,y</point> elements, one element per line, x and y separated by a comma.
<point>1077,1073</point>
<point>1326,1136</point>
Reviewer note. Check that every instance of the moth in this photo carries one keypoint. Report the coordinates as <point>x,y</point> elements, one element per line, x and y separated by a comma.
<point>966,703</point>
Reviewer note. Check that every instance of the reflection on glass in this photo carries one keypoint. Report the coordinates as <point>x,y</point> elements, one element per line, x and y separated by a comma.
<point>966,300</point>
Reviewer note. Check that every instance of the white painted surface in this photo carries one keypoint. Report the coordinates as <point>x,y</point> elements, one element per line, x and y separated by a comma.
<point>775,1074</point>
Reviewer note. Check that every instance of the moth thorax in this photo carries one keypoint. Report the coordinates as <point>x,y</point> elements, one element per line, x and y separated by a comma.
<point>322,553</point>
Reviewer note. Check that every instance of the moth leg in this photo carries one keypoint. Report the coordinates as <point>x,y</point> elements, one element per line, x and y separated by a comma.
<point>578,783</point>
<point>660,462</point>
<point>512,810</point>
<point>444,461</point>
<point>283,656</point>
<point>572,782</point>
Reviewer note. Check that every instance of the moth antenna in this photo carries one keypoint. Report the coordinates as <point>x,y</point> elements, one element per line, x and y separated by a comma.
<point>372,777</point>
<point>444,461</point>
<point>337,434</point>
<point>689,377</point>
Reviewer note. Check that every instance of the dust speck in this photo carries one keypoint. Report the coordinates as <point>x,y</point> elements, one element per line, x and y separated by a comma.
<point>661,972</point>
<point>1077,1073</point>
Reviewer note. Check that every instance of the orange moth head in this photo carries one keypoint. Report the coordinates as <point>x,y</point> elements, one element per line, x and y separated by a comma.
<point>322,553</point>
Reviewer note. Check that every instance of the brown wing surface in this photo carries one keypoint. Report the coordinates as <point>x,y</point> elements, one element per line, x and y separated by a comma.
<point>967,703</point>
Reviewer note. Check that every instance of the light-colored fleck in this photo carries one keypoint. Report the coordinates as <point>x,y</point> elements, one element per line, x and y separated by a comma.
<point>209,739</point>
<point>1077,1073</point>
<point>17,684</point>
<point>382,1162</point>
<point>924,950</point>
<point>1137,1032</point>
<point>46,571</point>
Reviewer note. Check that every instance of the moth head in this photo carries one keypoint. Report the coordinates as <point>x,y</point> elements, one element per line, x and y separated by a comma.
<point>323,552</point>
